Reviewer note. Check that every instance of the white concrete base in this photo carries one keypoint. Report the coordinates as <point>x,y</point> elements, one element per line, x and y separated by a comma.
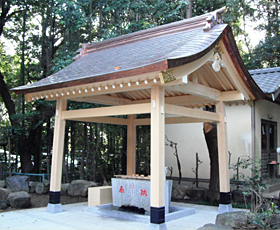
<point>157,226</point>
<point>54,208</point>
<point>225,208</point>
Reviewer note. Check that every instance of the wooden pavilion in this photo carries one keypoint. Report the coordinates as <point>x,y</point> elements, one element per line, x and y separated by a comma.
<point>174,69</point>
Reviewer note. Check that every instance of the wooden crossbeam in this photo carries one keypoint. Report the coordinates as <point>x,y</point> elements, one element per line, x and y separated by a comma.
<point>103,120</point>
<point>186,100</point>
<point>104,100</point>
<point>171,120</point>
<point>192,113</point>
<point>232,96</point>
<point>197,90</point>
<point>107,111</point>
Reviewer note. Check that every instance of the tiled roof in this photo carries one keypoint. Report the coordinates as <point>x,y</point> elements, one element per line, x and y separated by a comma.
<point>267,79</point>
<point>163,44</point>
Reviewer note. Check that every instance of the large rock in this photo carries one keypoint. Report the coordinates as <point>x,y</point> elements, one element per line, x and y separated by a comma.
<point>4,193</point>
<point>198,194</point>
<point>214,227</point>
<point>64,189</point>
<point>40,188</point>
<point>47,186</point>
<point>276,222</point>
<point>232,219</point>
<point>80,187</point>
<point>17,183</point>
<point>2,184</point>
<point>19,199</point>
<point>3,204</point>
<point>46,183</point>
<point>180,192</point>
<point>239,197</point>
<point>32,186</point>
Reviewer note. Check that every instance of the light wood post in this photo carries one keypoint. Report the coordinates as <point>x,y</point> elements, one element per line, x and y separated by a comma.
<point>157,155</point>
<point>57,157</point>
<point>131,146</point>
<point>225,200</point>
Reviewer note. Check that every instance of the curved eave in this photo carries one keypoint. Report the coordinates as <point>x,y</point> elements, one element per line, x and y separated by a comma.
<point>172,63</point>
<point>244,74</point>
<point>160,66</point>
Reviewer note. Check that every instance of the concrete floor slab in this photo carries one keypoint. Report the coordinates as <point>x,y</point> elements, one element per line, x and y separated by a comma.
<point>75,216</point>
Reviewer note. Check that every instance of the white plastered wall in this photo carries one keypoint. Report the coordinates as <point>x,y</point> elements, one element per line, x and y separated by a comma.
<point>262,110</point>
<point>190,139</point>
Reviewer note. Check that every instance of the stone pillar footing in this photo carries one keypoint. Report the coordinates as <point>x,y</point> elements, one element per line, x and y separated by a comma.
<point>54,197</point>
<point>54,208</point>
<point>157,215</point>
<point>225,208</point>
<point>157,226</point>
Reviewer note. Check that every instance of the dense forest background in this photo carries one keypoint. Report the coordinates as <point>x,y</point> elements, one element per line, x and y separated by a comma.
<point>45,35</point>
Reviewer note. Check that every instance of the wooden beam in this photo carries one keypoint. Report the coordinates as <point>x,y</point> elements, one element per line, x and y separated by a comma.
<point>131,146</point>
<point>104,100</point>
<point>157,149</point>
<point>239,84</point>
<point>171,120</point>
<point>232,96</point>
<point>103,120</point>
<point>223,149</point>
<point>142,121</point>
<point>192,113</point>
<point>185,100</point>
<point>197,90</point>
<point>107,111</point>
<point>184,120</point>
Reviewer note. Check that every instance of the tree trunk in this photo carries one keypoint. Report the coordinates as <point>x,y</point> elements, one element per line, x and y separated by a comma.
<point>25,156</point>
<point>73,148</point>
<point>124,152</point>
<point>84,151</point>
<point>6,96</point>
<point>189,9</point>
<point>210,134</point>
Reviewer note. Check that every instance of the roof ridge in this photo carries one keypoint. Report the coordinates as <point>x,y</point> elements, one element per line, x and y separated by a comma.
<point>206,21</point>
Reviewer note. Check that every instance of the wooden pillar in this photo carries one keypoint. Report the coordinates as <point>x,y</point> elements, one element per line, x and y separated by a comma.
<point>57,158</point>
<point>225,200</point>
<point>131,146</point>
<point>157,155</point>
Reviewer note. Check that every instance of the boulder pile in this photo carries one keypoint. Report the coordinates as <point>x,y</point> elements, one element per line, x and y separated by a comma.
<point>15,191</point>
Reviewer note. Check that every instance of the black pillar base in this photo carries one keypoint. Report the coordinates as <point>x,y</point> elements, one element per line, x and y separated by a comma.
<point>54,198</point>
<point>157,215</point>
<point>225,198</point>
